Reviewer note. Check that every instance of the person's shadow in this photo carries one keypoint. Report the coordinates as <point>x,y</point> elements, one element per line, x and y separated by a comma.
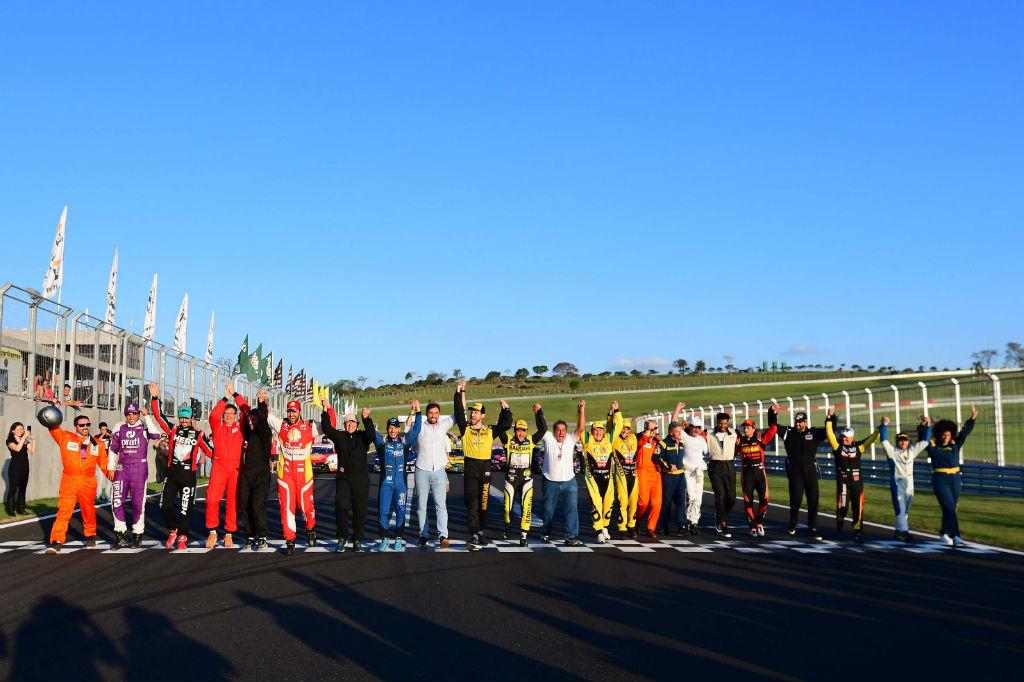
<point>156,650</point>
<point>60,641</point>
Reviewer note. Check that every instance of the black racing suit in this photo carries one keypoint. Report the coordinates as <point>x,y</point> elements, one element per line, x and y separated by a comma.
<point>254,478</point>
<point>519,466</point>
<point>801,468</point>
<point>353,476</point>
<point>178,493</point>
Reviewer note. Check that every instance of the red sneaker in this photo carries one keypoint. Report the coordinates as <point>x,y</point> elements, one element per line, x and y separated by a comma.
<point>182,542</point>
<point>170,539</point>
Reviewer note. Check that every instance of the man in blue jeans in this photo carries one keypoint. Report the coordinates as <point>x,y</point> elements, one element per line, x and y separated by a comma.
<point>432,448</point>
<point>560,478</point>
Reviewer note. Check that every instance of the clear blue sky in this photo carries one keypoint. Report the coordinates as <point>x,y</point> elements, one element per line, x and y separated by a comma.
<point>372,190</point>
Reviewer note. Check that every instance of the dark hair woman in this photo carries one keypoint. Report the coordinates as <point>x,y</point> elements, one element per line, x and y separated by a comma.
<point>20,444</point>
<point>944,452</point>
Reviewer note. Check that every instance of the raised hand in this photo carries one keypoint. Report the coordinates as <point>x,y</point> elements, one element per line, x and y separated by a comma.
<point>774,408</point>
<point>229,390</point>
<point>974,412</point>
<point>154,390</point>
<point>536,407</point>
<point>831,411</point>
<point>415,405</point>
<point>504,404</point>
<point>461,386</point>
<point>323,403</point>
<point>680,407</point>
<point>615,405</point>
<point>885,421</point>
<point>261,396</point>
<point>582,404</point>
<point>366,412</point>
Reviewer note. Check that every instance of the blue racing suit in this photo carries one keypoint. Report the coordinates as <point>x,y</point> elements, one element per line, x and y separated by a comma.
<point>395,456</point>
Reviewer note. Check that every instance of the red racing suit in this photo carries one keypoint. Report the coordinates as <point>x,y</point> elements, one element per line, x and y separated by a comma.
<point>228,443</point>
<point>80,457</point>
<point>294,472</point>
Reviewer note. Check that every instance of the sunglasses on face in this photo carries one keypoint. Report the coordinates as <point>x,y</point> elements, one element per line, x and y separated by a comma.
<point>83,424</point>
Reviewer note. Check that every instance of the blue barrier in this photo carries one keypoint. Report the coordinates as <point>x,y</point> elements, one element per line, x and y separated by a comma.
<point>979,479</point>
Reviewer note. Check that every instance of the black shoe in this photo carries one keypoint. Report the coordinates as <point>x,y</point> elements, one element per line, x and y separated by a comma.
<point>813,534</point>
<point>482,539</point>
<point>858,538</point>
<point>423,541</point>
<point>136,540</point>
<point>792,529</point>
<point>258,544</point>
<point>289,547</point>
<point>723,530</point>
<point>359,547</point>
<point>310,538</point>
<point>906,538</point>
<point>522,540</point>
<point>507,533</point>
<point>90,542</point>
<point>545,538</point>
<point>694,530</point>
<point>54,548</point>
<point>9,510</point>
<point>633,534</point>
<point>573,542</point>
<point>342,545</point>
<point>120,539</point>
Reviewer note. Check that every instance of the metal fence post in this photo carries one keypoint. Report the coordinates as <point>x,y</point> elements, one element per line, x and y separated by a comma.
<point>871,417</point>
<point>959,410</point>
<point>162,371</point>
<point>760,414</point>
<point>73,356</point>
<point>746,413</point>
<point>791,413</point>
<point>997,416</point>
<point>807,406</point>
<point>846,399</point>
<point>732,414</point>
<point>896,405</point>
<point>924,396</point>
<point>825,397</point>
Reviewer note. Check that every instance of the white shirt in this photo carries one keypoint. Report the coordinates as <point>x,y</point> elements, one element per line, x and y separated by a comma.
<point>558,457</point>
<point>433,446</point>
<point>694,449</point>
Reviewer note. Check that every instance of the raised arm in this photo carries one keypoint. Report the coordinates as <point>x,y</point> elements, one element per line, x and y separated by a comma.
<point>542,424</point>
<point>773,419</point>
<point>614,421</point>
<point>968,427</point>
<point>581,419</point>
<point>154,406</point>
<point>504,420</point>
<point>460,407</point>
<point>830,428</point>
<point>769,434</point>
<point>369,431</point>
<point>863,445</point>
<point>678,411</point>
<point>326,428</point>
<point>417,424</point>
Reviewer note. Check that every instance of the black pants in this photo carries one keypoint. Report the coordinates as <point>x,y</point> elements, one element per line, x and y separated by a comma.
<point>754,481</point>
<point>477,482</point>
<point>723,483</point>
<point>350,495</point>
<point>850,495</point>
<point>253,486</point>
<point>177,497</point>
<point>17,482</point>
<point>803,478</point>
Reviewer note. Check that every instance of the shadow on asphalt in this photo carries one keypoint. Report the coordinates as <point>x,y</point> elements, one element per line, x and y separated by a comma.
<point>62,642</point>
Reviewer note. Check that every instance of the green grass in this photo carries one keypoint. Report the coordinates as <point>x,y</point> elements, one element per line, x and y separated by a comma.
<point>991,520</point>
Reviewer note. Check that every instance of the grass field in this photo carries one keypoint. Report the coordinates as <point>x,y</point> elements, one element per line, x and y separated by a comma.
<point>990,520</point>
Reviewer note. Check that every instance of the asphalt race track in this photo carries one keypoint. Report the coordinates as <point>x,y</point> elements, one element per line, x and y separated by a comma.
<point>776,608</point>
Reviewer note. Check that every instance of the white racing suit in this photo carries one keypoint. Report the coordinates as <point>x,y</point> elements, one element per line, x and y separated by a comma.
<point>901,479</point>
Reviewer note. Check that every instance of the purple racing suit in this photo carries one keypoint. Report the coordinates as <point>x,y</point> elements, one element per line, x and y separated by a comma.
<point>129,449</point>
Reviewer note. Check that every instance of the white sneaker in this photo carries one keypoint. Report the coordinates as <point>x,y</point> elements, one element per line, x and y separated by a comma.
<point>957,542</point>
<point>760,530</point>
<point>946,540</point>
<point>607,535</point>
<point>600,538</point>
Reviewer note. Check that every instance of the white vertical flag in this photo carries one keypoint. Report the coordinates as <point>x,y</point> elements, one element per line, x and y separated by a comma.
<point>181,327</point>
<point>209,340</point>
<point>55,273</point>
<point>108,319</point>
<point>149,324</point>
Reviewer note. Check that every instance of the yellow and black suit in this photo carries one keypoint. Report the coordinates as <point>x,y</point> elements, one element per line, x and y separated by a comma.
<point>849,482</point>
<point>597,472</point>
<point>519,464</point>
<point>626,489</point>
<point>477,443</point>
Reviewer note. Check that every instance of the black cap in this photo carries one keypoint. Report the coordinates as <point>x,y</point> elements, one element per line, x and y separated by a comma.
<point>800,417</point>
<point>394,422</point>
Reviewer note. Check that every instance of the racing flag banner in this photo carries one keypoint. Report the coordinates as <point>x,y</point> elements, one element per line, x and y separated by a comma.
<point>289,387</point>
<point>243,357</point>
<point>278,376</point>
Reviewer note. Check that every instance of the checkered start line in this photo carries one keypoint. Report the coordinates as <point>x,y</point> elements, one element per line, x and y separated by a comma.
<point>537,547</point>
